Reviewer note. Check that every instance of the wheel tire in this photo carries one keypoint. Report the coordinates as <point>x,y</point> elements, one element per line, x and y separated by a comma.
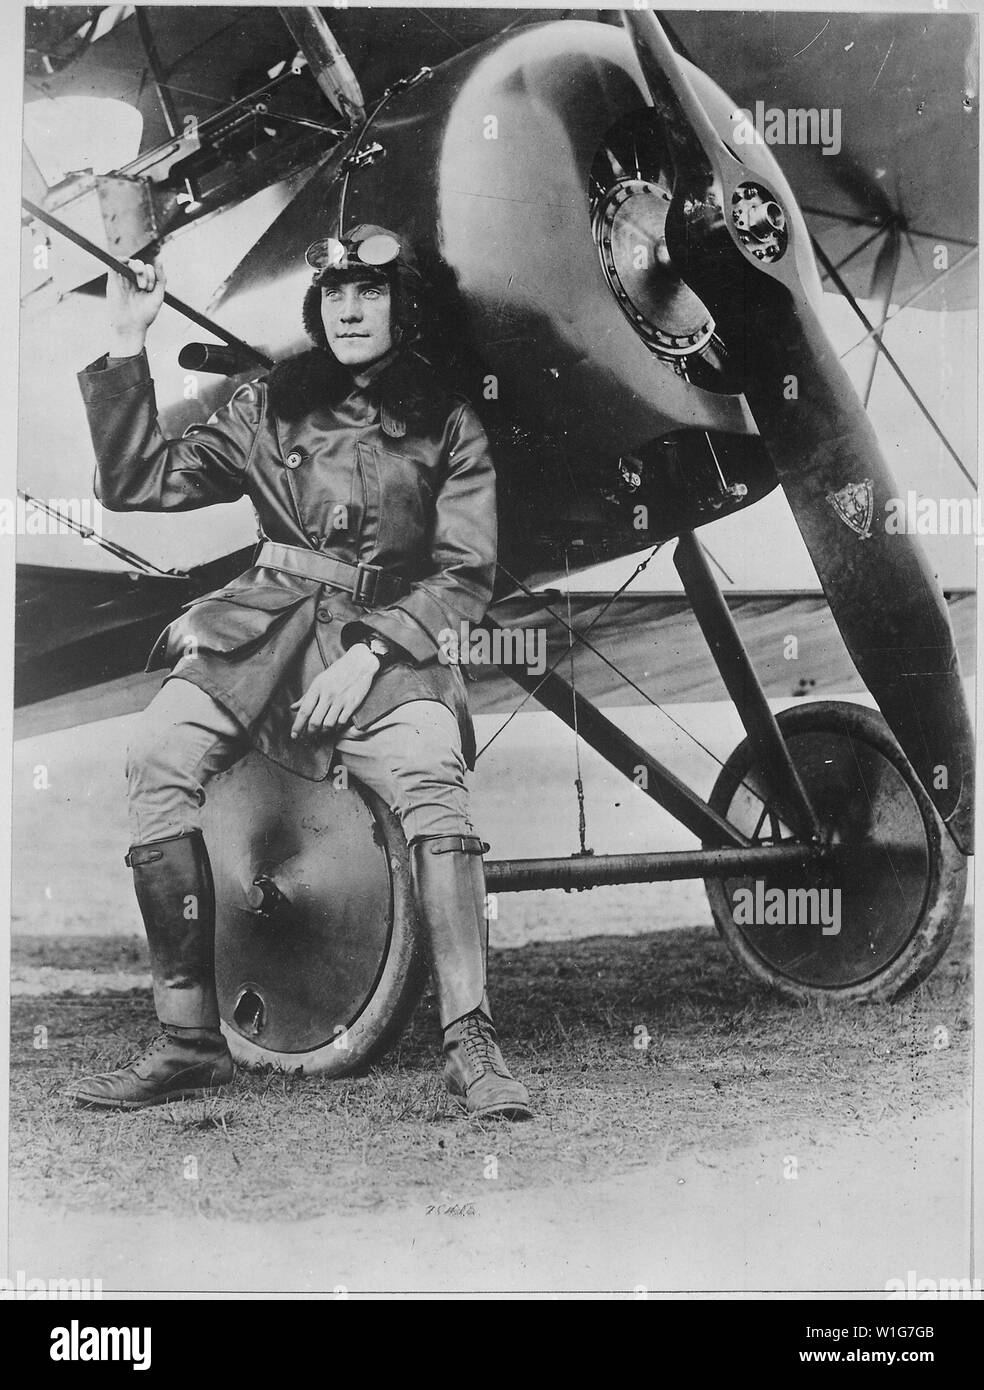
<point>327,982</point>
<point>901,873</point>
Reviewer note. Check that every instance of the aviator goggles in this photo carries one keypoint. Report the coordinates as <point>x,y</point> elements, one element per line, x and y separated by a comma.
<point>332,254</point>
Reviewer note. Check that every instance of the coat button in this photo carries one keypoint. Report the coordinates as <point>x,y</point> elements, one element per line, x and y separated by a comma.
<point>325,615</point>
<point>314,538</point>
<point>294,459</point>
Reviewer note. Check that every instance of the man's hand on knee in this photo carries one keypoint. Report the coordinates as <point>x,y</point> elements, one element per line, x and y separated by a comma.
<point>334,696</point>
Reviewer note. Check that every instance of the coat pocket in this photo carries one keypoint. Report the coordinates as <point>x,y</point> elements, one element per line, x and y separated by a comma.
<point>226,621</point>
<point>405,505</point>
<point>265,598</point>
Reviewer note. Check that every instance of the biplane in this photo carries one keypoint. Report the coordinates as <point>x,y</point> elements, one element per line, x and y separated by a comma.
<point>624,256</point>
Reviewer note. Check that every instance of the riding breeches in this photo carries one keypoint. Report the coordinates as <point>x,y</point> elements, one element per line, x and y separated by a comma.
<point>411,757</point>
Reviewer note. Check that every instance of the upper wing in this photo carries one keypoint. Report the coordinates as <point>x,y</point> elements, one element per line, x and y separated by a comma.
<point>208,55</point>
<point>901,92</point>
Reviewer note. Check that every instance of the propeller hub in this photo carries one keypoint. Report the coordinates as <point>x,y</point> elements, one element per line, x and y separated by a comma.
<point>630,231</point>
<point>759,221</point>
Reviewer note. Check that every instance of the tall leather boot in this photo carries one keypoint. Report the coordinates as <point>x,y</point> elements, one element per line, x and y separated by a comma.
<point>449,882</point>
<point>173,883</point>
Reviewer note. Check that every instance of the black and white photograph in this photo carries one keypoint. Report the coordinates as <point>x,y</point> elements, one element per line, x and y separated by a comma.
<point>491,536</point>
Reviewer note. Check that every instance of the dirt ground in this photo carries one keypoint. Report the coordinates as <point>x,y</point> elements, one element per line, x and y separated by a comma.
<point>747,1145</point>
<point>750,1145</point>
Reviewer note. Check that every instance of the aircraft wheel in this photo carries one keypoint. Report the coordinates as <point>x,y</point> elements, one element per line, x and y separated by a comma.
<point>901,879</point>
<point>319,966</point>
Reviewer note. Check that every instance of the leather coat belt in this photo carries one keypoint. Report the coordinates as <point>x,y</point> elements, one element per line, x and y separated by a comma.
<point>367,585</point>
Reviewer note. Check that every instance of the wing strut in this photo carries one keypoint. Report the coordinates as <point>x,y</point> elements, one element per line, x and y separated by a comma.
<point>882,285</point>
<point>916,295</point>
<point>163,94</point>
<point>582,824</point>
<point>329,65</point>
<point>876,332</point>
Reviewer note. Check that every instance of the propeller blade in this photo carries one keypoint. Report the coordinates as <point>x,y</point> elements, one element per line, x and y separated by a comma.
<point>742,247</point>
<point>880,586</point>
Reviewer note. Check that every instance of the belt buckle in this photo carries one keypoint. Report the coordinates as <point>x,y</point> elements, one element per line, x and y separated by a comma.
<point>364,591</point>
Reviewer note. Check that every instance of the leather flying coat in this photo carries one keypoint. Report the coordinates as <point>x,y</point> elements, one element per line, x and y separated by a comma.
<point>367,480</point>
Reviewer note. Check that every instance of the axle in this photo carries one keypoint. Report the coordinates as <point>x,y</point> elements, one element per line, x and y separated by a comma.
<point>592,871</point>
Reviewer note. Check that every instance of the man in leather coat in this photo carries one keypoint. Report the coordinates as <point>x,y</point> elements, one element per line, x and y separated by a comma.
<point>375,497</point>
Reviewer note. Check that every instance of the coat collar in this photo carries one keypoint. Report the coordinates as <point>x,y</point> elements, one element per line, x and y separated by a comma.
<point>406,390</point>
<point>387,392</point>
<point>409,392</point>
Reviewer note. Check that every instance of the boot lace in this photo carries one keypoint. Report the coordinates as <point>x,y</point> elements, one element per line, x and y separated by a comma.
<point>157,1044</point>
<point>161,1043</point>
<point>477,1038</point>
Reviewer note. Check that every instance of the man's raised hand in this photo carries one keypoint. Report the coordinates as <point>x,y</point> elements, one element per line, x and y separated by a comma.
<point>131,309</point>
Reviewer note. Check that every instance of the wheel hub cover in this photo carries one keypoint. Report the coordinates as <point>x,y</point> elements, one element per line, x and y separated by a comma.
<point>297,959</point>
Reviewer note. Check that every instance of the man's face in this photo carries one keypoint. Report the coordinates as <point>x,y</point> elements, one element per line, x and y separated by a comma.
<point>356,316</point>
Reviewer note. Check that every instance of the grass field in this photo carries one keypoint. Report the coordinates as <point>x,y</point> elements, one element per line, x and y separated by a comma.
<point>727,1064</point>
